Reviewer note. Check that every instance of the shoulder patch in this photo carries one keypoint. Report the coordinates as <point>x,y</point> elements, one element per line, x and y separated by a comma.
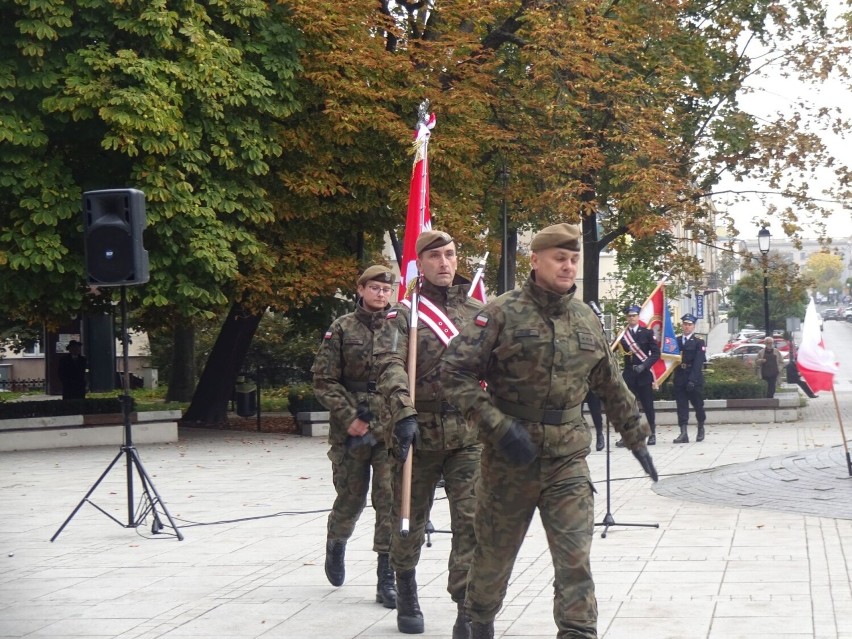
<point>481,320</point>
<point>327,335</point>
<point>392,313</point>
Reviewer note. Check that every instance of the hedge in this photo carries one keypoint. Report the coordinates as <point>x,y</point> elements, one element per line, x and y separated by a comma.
<point>723,379</point>
<point>53,407</point>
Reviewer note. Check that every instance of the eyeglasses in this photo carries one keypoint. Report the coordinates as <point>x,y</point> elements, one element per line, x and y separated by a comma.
<point>688,323</point>
<point>386,290</point>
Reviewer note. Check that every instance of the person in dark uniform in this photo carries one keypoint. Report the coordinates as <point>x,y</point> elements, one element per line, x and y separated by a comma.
<point>593,403</point>
<point>641,352</point>
<point>72,372</point>
<point>689,380</point>
<point>793,376</point>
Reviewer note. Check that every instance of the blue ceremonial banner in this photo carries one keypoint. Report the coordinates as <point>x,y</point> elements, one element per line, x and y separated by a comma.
<point>699,306</point>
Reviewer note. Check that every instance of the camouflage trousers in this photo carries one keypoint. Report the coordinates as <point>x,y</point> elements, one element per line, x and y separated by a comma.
<point>460,469</point>
<point>507,497</point>
<point>351,475</point>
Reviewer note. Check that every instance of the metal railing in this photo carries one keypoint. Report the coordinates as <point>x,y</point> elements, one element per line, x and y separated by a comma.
<point>22,385</point>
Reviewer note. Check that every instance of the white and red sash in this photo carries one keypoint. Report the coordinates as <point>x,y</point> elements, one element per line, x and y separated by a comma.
<point>435,319</point>
<point>634,347</point>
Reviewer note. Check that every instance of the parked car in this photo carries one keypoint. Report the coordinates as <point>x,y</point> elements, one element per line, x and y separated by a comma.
<point>847,314</point>
<point>780,343</point>
<point>829,314</point>
<point>747,353</point>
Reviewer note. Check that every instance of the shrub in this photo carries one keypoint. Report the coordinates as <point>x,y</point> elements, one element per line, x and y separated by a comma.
<point>723,379</point>
<point>301,399</point>
<point>53,408</point>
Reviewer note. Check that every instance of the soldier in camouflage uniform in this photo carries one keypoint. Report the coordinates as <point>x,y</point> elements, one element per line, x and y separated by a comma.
<point>345,383</point>
<point>445,443</point>
<point>540,351</point>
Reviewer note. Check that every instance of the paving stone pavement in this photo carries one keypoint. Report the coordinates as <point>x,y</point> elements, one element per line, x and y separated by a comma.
<point>252,509</point>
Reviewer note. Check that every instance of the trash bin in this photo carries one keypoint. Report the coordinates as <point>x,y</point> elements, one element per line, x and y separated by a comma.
<point>246,397</point>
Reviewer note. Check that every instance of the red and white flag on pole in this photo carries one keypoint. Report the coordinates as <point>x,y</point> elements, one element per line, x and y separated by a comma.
<point>418,218</point>
<point>654,314</point>
<point>817,366</point>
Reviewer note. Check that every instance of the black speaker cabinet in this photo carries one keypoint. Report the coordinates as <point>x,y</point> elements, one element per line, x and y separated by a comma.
<point>113,221</point>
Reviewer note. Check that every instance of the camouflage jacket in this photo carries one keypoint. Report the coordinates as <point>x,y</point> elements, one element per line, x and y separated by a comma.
<point>540,351</point>
<point>343,368</point>
<point>442,427</point>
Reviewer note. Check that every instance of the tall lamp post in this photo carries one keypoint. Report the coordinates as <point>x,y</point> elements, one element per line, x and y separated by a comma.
<point>763,238</point>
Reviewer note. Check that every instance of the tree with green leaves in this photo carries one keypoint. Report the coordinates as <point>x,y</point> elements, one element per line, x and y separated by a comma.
<point>180,101</point>
<point>824,269</point>
<point>787,290</point>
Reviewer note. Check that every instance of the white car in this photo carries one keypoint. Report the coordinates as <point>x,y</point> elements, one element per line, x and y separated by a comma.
<point>745,352</point>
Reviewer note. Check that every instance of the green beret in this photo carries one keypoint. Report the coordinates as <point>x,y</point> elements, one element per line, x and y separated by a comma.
<point>376,273</point>
<point>429,240</point>
<point>565,236</point>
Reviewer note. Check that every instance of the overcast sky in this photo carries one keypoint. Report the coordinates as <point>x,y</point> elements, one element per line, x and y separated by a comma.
<point>772,94</point>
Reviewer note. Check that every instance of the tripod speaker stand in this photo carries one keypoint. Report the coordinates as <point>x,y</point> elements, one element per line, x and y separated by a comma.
<point>135,518</point>
<point>608,520</point>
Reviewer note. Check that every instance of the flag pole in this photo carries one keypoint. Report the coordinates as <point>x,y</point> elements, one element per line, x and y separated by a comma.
<point>478,274</point>
<point>842,432</point>
<point>408,464</point>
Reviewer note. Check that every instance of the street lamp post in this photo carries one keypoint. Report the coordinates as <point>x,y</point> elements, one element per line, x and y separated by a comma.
<point>763,238</point>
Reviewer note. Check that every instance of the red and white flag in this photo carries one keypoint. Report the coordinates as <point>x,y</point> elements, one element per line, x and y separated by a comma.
<point>418,218</point>
<point>817,366</point>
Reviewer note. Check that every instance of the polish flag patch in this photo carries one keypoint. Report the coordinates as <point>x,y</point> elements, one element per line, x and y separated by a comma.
<point>391,314</point>
<point>481,320</point>
<point>327,335</point>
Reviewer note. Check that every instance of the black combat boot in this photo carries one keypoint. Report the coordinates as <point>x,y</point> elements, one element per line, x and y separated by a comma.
<point>683,438</point>
<point>700,436</point>
<point>461,629</point>
<point>482,630</point>
<point>599,439</point>
<point>385,588</point>
<point>335,570</point>
<point>409,619</point>
<point>653,438</point>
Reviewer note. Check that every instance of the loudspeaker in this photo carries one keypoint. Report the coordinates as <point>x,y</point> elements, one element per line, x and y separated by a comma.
<point>113,222</point>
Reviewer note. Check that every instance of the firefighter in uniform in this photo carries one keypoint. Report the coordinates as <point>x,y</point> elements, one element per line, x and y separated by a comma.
<point>689,380</point>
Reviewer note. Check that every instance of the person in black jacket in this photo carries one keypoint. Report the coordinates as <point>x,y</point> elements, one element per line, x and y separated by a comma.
<point>641,352</point>
<point>689,380</point>
<point>72,372</point>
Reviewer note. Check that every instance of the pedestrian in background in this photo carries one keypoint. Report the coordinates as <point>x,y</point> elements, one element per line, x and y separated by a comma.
<point>445,442</point>
<point>689,379</point>
<point>72,371</point>
<point>540,351</point>
<point>769,363</point>
<point>345,383</point>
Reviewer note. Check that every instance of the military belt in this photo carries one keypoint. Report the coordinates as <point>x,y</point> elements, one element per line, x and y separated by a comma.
<point>434,406</point>
<point>360,387</point>
<point>686,367</point>
<point>541,415</point>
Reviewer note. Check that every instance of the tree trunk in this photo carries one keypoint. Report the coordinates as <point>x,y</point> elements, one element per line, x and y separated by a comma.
<point>182,379</point>
<point>591,259</point>
<point>209,405</point>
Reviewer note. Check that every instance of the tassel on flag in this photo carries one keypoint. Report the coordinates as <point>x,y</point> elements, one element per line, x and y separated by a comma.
<point>817,366</point>
<point>418,218</point>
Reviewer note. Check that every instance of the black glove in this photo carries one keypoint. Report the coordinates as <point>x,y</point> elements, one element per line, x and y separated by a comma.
<point>356,441</point>
<point>690,386</point>
<point>364,413</point>
<point>404,433</point>
<point>516,445</point>
<point>639,368</point>
<point>641,453</point>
